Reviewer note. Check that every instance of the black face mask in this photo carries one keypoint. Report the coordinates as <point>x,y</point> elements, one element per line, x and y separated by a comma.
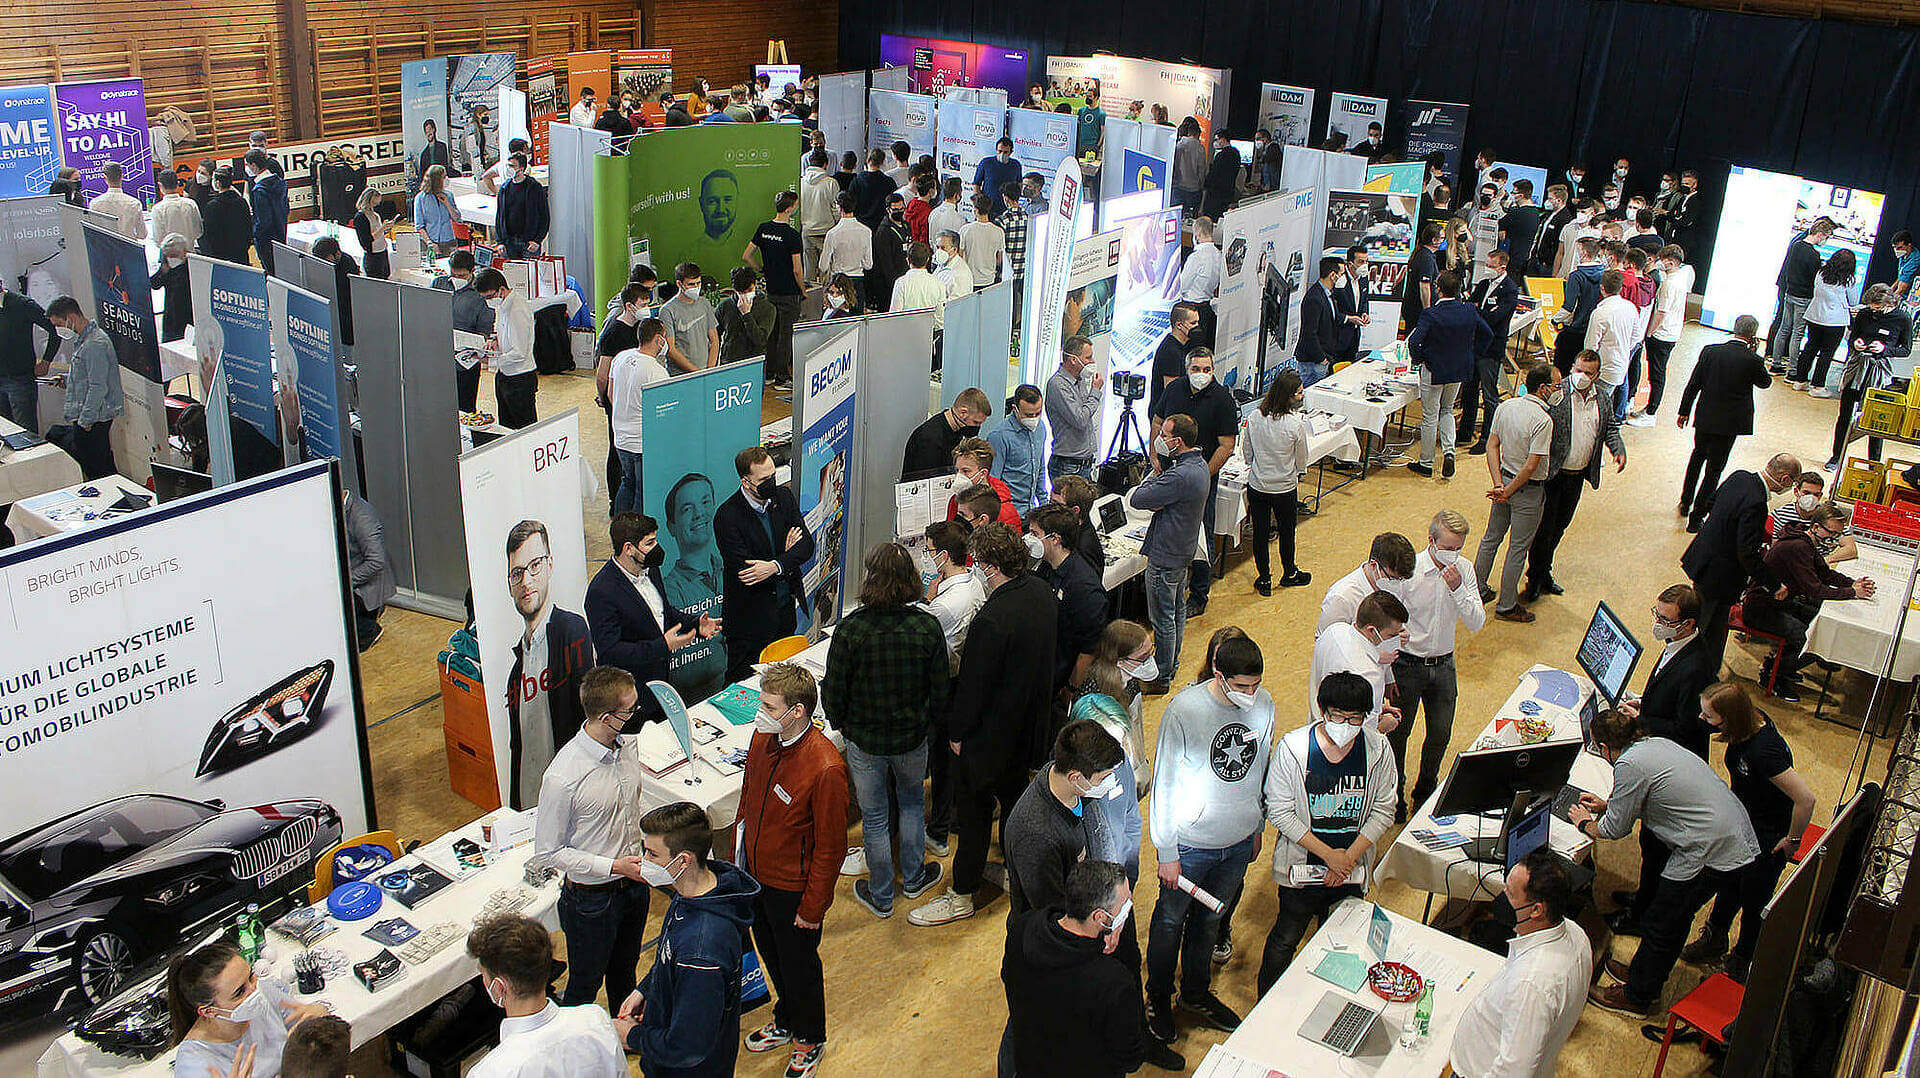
<point>763,490</point>
<point>655,558</point>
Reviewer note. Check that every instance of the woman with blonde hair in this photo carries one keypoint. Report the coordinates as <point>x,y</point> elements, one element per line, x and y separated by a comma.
<point>371,229</point>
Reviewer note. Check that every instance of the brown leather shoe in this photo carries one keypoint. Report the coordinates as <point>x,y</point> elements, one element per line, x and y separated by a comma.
<point>1519,613</point>
<point>1617,969</point>
<point>1614,998</point>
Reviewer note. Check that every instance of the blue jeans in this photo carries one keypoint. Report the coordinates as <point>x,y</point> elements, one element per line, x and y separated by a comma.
<point>626,499</point>
<point>605,930</point>
<point>1058,466</point>
<point>1167,610</point>
<point>1311,372</point>
<point>20,401</point>
<point>871,776</point>
<point>1183,930</point>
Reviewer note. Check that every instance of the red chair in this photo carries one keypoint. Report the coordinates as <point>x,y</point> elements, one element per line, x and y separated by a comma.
<point>1736,623</point>
<point>1710,1008</point>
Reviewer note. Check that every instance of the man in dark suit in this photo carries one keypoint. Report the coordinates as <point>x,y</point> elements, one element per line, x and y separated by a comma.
<point>543,712</point>
<point>433,153</point>
<point>1320,323</point>
<point>368,565</point>
<point>1723,380</point>
<point>633,626</point>
<point>1728,548</point>
<point>1495,297</point>
<point>763,543</point>
<point>1445,342</point>
<point>1582,415</point>
<point>1350,300</point>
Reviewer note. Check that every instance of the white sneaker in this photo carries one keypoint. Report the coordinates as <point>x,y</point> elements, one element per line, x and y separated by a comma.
<point>1642,420</point>
<point>1822,393</point>
<point>1797,387</point>
<point>855,863</point>
<point>948,908</point>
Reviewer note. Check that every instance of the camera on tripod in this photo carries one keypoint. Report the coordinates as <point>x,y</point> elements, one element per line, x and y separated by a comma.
<point>1128,385</point>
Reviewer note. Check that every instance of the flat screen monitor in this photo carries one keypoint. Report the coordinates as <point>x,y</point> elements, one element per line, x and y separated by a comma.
<point>1529,832</point>
<point>1608,653</point>
<point>170,483</point>
<point>1487,780</point>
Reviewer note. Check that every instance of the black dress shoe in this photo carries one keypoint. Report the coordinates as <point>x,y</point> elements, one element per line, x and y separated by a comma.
<point>1165,1058</point>
<point>1477,449</point>
<point>1420,469</point>
<point>1529,593</point>
<point>1624,898</point>
<point>1552,588</point>
<point>1446,467</point>
<point>1623,923</point>
<point>1263,585</point>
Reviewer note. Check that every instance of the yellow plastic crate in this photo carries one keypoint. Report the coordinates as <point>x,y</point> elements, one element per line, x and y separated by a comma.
<point>1861,480</point>
<point>1911,428</point>
<point>1884,412</point>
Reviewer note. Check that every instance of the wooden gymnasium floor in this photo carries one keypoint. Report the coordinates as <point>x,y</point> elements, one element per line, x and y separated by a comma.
<point>909,1000</point>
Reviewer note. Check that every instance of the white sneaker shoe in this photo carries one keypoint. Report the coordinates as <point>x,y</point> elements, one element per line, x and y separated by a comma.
<point>1642,420</point>
<point>948,908</point>
<point>855,863</point>
<point>1797,387</point>
<point>1822,393</point>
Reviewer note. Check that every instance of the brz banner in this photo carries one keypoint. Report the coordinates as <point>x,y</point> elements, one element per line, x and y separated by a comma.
<point>181,730</point>
<point>1438,125</point>
<point>1285,112</point>
<point>1063,202</point>
<point>527,558</point>
<point>826,475</point>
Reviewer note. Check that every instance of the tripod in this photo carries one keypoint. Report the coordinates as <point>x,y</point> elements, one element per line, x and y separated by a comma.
<point>1127,425</point>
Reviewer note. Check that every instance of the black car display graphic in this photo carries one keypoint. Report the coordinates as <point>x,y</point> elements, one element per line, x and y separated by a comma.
<point>87,898</point>
<point>273,718</point>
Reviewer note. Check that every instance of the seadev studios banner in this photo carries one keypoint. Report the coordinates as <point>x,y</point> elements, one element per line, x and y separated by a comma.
<point>527,558</point>
<point>29,154</point>
<point>121,299</point>
<point>1041,140</point>
<point>826,476</point>
<point>707,417</point>
<point>1142,172</point>
<point>897,117</point>
<point>1384,223</point>
<point>1286,112</point>
<point>1350,114</point>
<point>107,121</point>
<point>697,193</point>
<point>423,101</point>
<point>968,134</point>
<point>303,338</point>
<point>1439,125</point>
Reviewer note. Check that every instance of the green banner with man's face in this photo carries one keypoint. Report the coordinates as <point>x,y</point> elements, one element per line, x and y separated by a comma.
<point>696,194</point>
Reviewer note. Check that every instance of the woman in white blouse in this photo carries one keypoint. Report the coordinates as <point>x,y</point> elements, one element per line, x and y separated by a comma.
<point>1276,449</point>
<point>1827,319</point>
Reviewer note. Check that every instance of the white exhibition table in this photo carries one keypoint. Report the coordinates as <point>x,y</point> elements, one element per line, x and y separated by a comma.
<point>1344,393</point>
<point>1338,442</point>
<point>1855,632</point>
<point>370,1013</point>
<point>1269,1036</point>
<point>66,510</point>
<point>39,470</point>
<point>1449,872</point>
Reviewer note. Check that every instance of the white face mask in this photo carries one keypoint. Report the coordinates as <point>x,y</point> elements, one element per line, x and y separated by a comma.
<point>1387,649</point>
<point>836,301</point>
<point>1034,546</point>
<point>1341,733</point>
<point>1241,700</point>
<point>1665,633</point>
<point>1161,447</point>
<point>1102,790</point>
<point>657,875</point>
<point>767,723</point>
<point>1806,504</point>
<point>1445,558</point>
<point>250,1009</point>
<point>1199,380</point>
<point>1146,669</point>
<point>66,332</point>
<point>497,302</point>
<point>1581,381</point>
<point>1029,421</point>
<point>498,999</point>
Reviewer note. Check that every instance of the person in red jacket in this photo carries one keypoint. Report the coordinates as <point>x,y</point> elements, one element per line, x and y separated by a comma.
<point>973,463</point>
<point>1786,593</point>
<point>793,836</point>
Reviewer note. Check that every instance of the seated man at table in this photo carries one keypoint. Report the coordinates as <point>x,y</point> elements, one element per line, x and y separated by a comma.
<point>1331,791</point>
<point>1517,1025</point>
<point>1808,492</point>
<point>1785,595</point>
<point>538,1038</point>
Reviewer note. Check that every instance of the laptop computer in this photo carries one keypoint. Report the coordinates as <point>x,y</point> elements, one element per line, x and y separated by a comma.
<point>1339,1023</point>
<point>1110,515</point>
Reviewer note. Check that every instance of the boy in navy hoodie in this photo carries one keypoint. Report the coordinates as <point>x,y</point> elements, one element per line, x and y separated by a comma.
<point>684,1019</point>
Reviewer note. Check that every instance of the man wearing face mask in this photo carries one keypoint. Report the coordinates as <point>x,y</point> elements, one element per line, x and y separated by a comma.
<point>538,1037</point>
<point>1073,410</point>
<point>19,393</point>
<point>930,448</point>
<point>1046,833</point>
<point>267,198</point>
<point>1442,595</point>
<point>1390,561</point>
<point>1330,790</point>
<point>1368,645</point>
<point>632,625</point>
<point>994,173</point>
<point>516,381</point>
<point>1422,269</point>
<point>1807,494</point>
<point>764,542</point>
<point>684,1019</point>
<point>1216,418</point>
<point>471,314</point>
<point>587,826</point>
<point>1321,322</point>
<point>520,216</point>
<point>93,387</point>
<point>1723,381</point>
<point>792,837</point>
<point>1050,536</point>
<point>1583,423</point>
<point>1496,297</point>
<point>1516,1027</point>
<point>1731,544</point>
<point>1073,1008</point>
<point>175,287</point>
<point>1176,494</point>
<point>1017,446</point>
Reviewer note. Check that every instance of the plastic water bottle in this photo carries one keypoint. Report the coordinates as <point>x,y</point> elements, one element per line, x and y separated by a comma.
<point>249,932</point>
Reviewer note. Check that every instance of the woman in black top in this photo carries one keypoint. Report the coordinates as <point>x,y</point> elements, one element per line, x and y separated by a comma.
<point>1779,803</point>
<point>1881,333</point>
<point>371,229</point>
<point>843,298</point>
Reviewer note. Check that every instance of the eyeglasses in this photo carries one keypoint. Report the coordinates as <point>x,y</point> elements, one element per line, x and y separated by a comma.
<point>538,566</point>
<point>1662,619</point>
<point>624,715</point>
<point>1351,718</point>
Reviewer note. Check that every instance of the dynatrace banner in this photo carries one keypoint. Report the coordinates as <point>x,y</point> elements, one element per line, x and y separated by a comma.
<point>1384,223</point>
<point>967,135</point>
<point>1286,112</point>
<point>303,338</point>
<point>826,476</point>
<point>423,117</point>
<point>1142,172</point>
<point>527,558</point>
<point>698,192</point>
<point>934,65</point>
<point>1442,126</point>
<point>896,117</point>
<point>1350,115</point>
<point>707,417</point>
<point>474,79</point>
<point>106,121</point>
<point>122,300</point>
<point>1041,140</point>
<point>29,152</point>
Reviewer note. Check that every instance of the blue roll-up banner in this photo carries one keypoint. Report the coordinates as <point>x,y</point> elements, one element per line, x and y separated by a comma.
<point>1142,172</point>
<point>967,136</point>
<point>898,117</point>
<point>29,140</point>
<point>826,476</point>
<point>423,101</point>
<point>122,300</point>
<point>1439,125</point>
<point>237,301</point>
<point>303,336</point>
<point>1041,140</point>
<point>697,422</point>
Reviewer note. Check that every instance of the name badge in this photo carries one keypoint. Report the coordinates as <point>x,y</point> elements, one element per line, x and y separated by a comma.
<point>784,796</point>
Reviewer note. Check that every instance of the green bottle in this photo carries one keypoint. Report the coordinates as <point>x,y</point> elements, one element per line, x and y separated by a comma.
<point>1423,1012</point>
<point>249,933</point>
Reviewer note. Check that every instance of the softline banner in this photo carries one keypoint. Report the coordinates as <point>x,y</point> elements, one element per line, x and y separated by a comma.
<point>898,117</point>
<point>1384,223</point>
<point>423,116</point>
<point>697,193</point>
<point>231,341</point>
<point>707,417</point>
<point>1442,126</point>
<point>474,79</point>
<point>1349,114</point>
<point>527,558</point>
<point>826,475</point>
<point>1041,140</point>
<point>1199,92</point>
<point>1286,112</point>
<point>1266,241</point>
<point>106,121</point>
<point>121,299</point>
<point>188,711</point>
<point>934,65</point>
<point>967,135</point>
<point>303,336</point>
<point>29,154</point>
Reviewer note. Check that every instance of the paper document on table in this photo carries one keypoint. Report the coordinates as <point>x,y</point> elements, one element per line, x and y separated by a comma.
<point>1221,1063</point>
<point>910,508</point>
<point>1444,973</point>
<point>1309,875</point>
<point>1343,968</point>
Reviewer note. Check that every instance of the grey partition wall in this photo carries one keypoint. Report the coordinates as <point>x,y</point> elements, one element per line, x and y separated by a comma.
<point>978,344</point>
<point>570,154</point>
<point>890,399</point>
<point>290,265</point>
<point>376,354</point>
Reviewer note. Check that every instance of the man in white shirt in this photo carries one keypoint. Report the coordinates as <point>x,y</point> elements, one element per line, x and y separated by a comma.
<point>538,1038</point>
<point>175,213</point>
<point>1612,331</point>
<point>918,289</point>
<point>1367,646</point>
<point>848,247</point>
<point>584,112</point>
<point>1389,562</point>
<point>633,370</point>
<point>948,216</point>
<point>117,204</point>
<point>1663,330</point>
<point>950,265</point>
<point>1199,280</point>
<point>588,827</point>
<point>1442,593</point>
<point>1517,1025</point>
<point>983,243</point>
<point>516,381</point>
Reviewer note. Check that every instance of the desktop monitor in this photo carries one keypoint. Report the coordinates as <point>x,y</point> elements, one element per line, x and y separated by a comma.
<point>1487,780</point>
<point>1608,653</point>
<point>170,483</point>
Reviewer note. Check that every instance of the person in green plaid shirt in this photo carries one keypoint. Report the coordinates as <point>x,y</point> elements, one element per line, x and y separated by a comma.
<point>886,677</point>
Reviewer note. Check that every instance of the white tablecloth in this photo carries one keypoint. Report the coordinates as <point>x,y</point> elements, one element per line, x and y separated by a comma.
<point>178,358</point>
<point>1230,504</point>
<point>371,1014</point>
<point>302,234</point>
<point>1344,393</point>
<point>27,472</point>
<point>1270,1033</point>
<point>1448,872</point>
<point>1855,632</point>
<point>64,510</point>
<point>476,208</point>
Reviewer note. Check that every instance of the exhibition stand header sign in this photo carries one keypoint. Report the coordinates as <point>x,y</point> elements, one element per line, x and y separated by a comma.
<point>1041,140</point>
<point>896,117</point>
<point>1442,126</point>
<point>935,65</point>
<point>968,134</point>
<point>1199,92</point>
<point>107,121</point>
<point>309,166</point>
<point>1286,112</point>
<point>1349,114</point>
<point>122,301</point>
<point>29,156</point>
<point>697,193</point>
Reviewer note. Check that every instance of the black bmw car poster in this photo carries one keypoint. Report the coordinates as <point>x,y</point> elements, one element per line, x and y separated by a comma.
<point>179,730</point>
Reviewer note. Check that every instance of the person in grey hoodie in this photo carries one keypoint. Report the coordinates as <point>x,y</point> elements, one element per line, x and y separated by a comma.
<point>1205,821</point>
<point>1332,789</point>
